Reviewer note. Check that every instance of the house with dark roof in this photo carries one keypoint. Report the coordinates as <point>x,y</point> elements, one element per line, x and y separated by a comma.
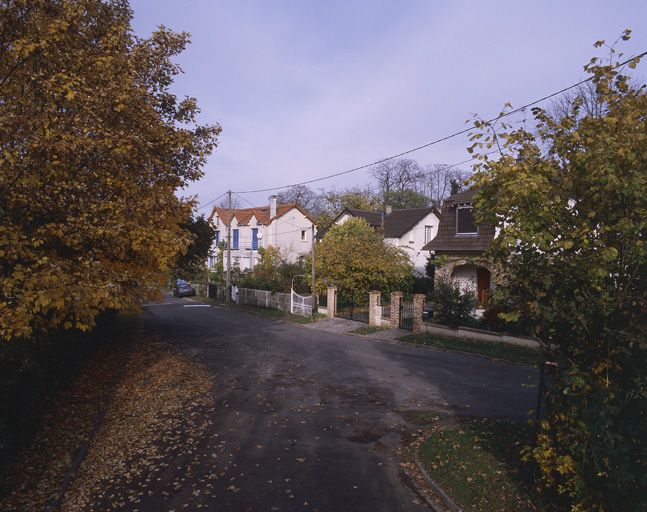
<point>410,229</point>
<point>463,243</point>
<point>288,227</point>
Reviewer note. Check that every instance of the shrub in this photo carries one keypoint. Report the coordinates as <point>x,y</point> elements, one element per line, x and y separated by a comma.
<point>452,305</point>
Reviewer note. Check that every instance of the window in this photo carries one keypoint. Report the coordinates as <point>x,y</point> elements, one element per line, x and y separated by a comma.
<point>234,244</point>
<point>217,237</point>
<point>465,222</point>
<point>303,235</point>
<point>254,239</point>
<point>428,233</point>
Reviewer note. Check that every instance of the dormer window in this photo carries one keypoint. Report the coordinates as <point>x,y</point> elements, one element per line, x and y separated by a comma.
<point>465,221</point>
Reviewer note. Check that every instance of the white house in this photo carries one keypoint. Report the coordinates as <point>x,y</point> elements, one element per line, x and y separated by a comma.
<point>410,229</point>
<point>288,227</point>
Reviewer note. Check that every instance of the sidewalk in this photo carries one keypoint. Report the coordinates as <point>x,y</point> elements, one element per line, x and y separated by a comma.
<point>343,326</point>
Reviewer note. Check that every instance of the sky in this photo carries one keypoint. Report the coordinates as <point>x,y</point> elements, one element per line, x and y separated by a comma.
<point>303,89</point>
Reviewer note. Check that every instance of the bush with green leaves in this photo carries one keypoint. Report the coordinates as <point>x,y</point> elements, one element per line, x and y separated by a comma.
<point>452,304</point>
<point>570,202</point>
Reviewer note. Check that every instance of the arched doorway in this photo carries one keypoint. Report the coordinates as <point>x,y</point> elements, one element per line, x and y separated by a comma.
<point>476,279</point>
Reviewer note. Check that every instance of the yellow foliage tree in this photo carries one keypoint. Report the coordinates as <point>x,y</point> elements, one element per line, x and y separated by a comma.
<point>93,147</point>
<point>356,259</point>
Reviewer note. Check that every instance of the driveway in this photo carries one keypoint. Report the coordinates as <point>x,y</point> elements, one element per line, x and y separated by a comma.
<point>314,420</point>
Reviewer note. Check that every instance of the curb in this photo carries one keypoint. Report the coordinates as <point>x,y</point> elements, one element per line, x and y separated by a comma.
<point>449,503</point>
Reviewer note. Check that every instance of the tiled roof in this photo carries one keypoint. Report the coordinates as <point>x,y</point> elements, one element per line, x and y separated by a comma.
<point>446,240</point>
<point>262,213</point>
<point>396,223</point>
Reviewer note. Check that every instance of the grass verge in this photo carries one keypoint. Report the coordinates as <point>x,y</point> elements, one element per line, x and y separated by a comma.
<point>368,329</point>
<point>478,463</point>
<point>505,351</point>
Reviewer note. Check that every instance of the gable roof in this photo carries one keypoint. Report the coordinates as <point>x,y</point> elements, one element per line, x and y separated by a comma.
<point>396,223</point>
<point>262,213</point>
<point>446,240</point>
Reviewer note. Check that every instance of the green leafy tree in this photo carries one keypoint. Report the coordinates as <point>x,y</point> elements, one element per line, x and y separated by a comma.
<point>355,258</point>
<point>93,146</point>
<point>193,261</point>
<point>571,204</point>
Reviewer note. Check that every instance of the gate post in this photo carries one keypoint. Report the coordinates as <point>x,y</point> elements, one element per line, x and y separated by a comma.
<point>331,302</point>
<point>373,305</point>
<point>418,306</point>
<point>396,298</point>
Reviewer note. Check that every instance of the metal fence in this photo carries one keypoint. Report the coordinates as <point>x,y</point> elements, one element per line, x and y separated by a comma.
<point>352,309</point>
<point>406,314</point>
<point>385,304</point>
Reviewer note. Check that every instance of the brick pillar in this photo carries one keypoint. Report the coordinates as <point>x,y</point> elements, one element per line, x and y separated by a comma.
<point>374,309</point>
<point>418,305</point>
<point>331,303</point>
<point>396,297</point>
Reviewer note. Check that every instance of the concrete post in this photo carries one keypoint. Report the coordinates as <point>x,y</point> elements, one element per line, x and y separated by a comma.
<point>396,297</point>
<point>418,305</point>
<point>331,302</point>
<point>374,309</point>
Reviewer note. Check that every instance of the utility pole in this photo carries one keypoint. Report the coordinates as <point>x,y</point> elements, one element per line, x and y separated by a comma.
<point>228,285</point>
<point>314,286</point>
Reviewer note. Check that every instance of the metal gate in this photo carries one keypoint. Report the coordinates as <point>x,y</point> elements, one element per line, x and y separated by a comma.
<point>406,314</point>
<point>351,309</point>
<point>300,304</point>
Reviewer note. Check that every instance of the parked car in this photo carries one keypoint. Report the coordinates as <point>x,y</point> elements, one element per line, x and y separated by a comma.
<point>183,289</point>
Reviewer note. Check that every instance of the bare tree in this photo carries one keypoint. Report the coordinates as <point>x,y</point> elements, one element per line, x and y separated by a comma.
<point>587,97</point>
<point>396,178</point>
<point>437,182</point>
<point>303,195</point>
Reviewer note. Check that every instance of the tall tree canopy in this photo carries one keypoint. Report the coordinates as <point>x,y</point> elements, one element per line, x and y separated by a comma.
<point>355,258</point>
<point>194,260</point>
<point>570,202</point>
<point>93,146</point>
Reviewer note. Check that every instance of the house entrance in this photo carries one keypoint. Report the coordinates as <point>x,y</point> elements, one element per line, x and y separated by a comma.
<point>483,277</point>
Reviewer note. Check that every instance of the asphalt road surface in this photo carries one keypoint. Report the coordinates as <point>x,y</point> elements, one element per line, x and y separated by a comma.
<point>314,420</point>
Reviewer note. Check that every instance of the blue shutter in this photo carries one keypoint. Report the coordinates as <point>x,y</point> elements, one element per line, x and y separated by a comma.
<point>254,239</point>
<point>235,244</point>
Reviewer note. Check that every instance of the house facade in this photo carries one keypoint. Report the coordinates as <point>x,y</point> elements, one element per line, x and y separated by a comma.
<point>288,227</point>
<point>462,242</point>
<point>409,229</point>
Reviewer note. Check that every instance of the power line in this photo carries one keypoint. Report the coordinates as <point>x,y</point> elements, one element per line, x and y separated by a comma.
<point>212,201</point>
<point>436,141</point>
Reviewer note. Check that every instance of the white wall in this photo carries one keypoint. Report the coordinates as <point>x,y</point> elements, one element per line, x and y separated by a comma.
<point>466,277</point>
<point>413,241</point>
<point>283,232</point>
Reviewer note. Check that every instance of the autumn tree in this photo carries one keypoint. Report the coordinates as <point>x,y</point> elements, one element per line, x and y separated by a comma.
<point>570,201</point>
<point>355,258</point>
<point>93,146</point>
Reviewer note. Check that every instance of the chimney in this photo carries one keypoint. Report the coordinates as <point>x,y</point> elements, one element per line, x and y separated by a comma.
<point>389,209</point>
<point>272,207</point>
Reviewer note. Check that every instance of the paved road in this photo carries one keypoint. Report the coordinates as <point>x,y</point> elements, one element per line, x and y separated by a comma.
<point>314,419</point>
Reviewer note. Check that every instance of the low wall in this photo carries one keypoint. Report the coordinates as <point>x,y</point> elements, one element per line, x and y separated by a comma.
<point>264,299</point>
<point>478,334</point>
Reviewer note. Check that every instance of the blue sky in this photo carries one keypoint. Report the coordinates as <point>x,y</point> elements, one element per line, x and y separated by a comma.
<point>307,88</point>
